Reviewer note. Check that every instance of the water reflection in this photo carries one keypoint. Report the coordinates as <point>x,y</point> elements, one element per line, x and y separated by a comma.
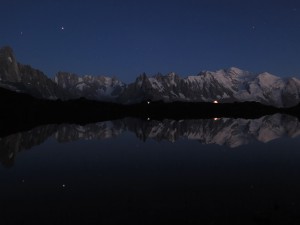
<point>221,131</point>
<point>137,175</point>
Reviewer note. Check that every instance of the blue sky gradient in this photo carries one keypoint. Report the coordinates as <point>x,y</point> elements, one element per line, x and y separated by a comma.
<point>126,38</point>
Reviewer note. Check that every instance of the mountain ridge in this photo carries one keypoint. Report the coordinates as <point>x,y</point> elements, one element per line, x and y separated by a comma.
<point>224,85</point>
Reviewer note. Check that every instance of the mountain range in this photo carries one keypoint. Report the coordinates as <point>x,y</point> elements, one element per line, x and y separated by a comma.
<point>223,86</point>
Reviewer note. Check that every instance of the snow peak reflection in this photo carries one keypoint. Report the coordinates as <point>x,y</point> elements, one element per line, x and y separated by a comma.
<point>221,131</point>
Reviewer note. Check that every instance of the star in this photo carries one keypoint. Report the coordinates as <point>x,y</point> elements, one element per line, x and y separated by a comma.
<point>62,28</point>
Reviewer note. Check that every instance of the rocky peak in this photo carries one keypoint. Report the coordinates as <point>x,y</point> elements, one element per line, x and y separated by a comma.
<point>9,69</point>
<point>142,77</point>
<point>88,86</point>
<point>7,52</point>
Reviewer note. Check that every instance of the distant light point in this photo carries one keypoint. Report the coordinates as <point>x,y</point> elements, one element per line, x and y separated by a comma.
<point>215,101</point>
<point>62,28</point>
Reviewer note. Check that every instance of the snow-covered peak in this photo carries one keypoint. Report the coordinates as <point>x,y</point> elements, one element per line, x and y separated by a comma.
<point>172,74</point>
<point>232,72</point>
<point>268,80</point>
<point>295,80</point>
<point>235,73</point>
<point>266,75</point>
<point>225,85</point>
<point>91,87</point>
<point>236,70</point>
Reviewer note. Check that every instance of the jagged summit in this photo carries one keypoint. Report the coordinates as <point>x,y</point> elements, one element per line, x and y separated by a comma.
<point>23,78</point>
<point>6,51</point>
<point>224,85</point>
<point>9,69</point>
<point>92,87</point>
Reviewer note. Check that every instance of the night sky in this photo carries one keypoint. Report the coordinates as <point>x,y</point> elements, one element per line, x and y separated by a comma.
<point>125,38</point>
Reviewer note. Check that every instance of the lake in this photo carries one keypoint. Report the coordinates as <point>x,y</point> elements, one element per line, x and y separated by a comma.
<point>134,171</point>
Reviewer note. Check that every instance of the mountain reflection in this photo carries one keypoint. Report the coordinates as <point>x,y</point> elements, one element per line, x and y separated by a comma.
<point>221,131</point>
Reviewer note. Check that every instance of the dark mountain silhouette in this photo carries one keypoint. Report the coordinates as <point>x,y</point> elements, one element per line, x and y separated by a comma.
<point>225,86</point>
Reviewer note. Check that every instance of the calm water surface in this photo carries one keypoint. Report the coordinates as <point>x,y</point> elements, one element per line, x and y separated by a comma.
<point>131,171</point>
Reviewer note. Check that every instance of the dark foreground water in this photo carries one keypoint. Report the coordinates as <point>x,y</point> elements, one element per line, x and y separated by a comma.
<point>217,171</point>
